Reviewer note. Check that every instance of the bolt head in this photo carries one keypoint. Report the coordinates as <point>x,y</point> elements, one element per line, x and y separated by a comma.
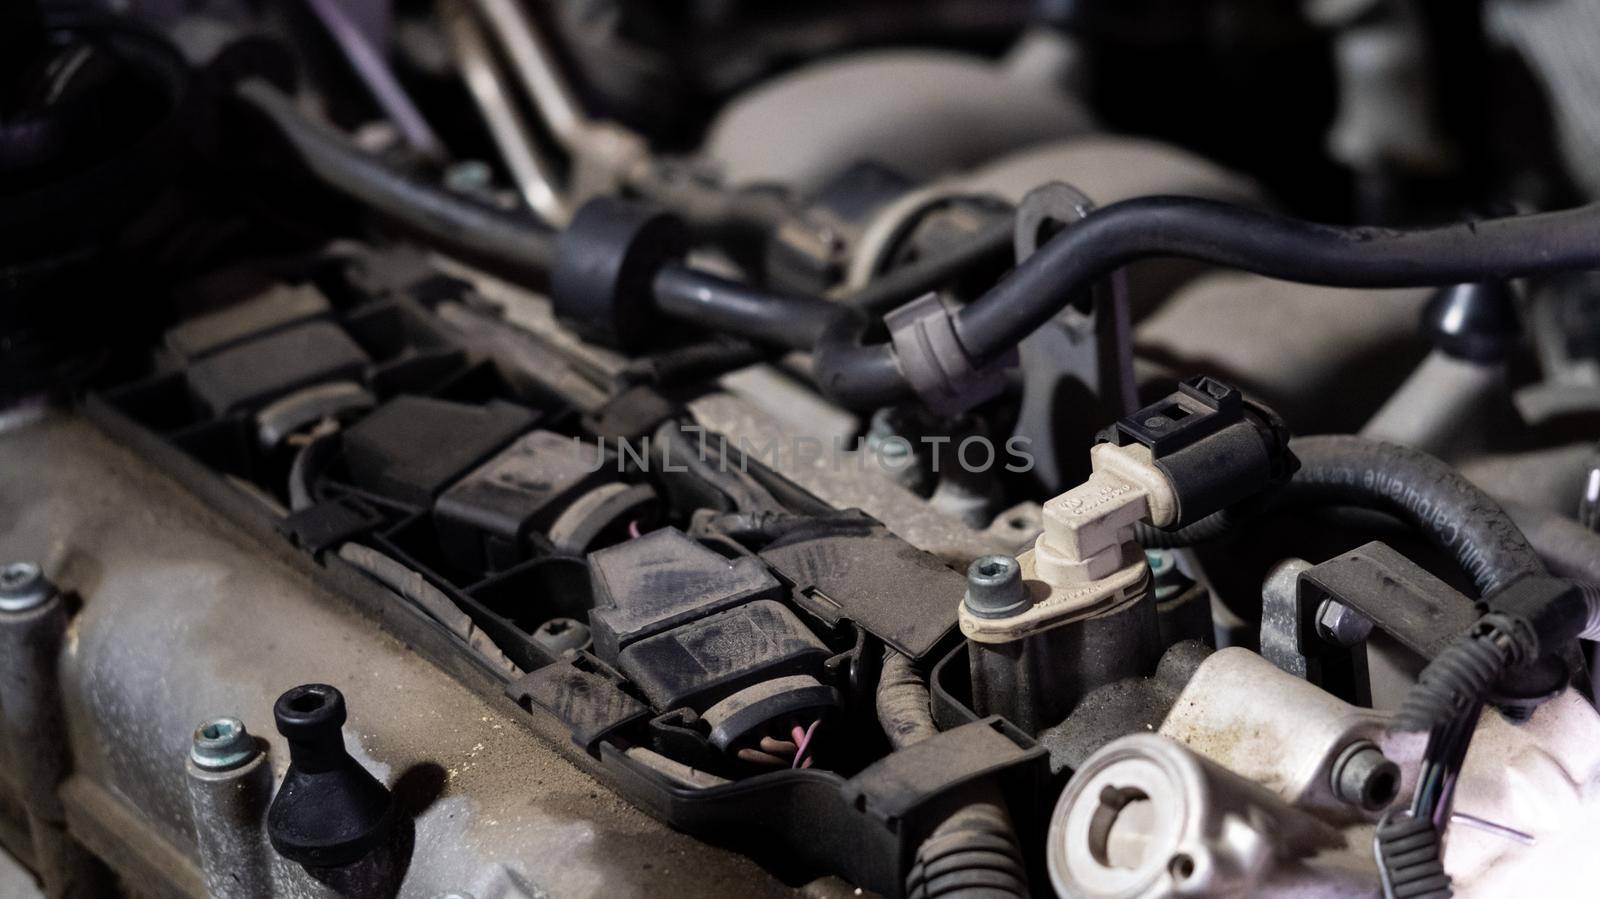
<point>23,587</point>
<point>222,744</point>
<point>561,635</point>
<point>994,587</point>
<point>1339,624</point>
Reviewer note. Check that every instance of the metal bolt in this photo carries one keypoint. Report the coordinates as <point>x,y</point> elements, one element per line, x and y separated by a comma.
<point>23,587</point>
<point>994,587</point>
<point>1364,776</point>
<point>560,635</point>
<point>1339,624</point>
<point>222,744</point>
<point>883,436</point>
<point>1166,578</point>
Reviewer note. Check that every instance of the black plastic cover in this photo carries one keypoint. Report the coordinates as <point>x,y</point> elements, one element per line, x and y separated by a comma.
<point>857,569</point>
<point>484,517</point>
<point>274,310</point>
<point>412,447</point>
<point>652,584</point>
<point>326,525</point>
<point>701,662</point>
<point>259,371</point>
<point>578,694</point>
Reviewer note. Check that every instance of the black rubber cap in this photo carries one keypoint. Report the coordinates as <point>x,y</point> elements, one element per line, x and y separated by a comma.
<point>330,811</point>
<point>1473,321</point>
<point>606,260</point>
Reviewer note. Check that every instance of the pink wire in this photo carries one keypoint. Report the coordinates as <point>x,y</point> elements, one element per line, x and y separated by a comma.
<point>633,529</point>
<point>802,741</point>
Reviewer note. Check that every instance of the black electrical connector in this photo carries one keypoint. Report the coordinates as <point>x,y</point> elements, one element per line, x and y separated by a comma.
<point>1215,446</point>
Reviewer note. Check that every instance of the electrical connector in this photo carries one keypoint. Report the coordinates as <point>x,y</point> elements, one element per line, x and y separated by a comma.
<point>1086,561</point>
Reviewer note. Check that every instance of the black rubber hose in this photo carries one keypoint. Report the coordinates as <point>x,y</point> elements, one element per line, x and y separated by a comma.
<point>1451,511</point>
<point>734,308</point>
<point>1339,470</point>
<point>992,247</point>
<point>1275,246</point>
<point>861,374</point>
<point>1568,549</point>
<point>1208,528</point>
<point>510,244</point>
<point>905,710</point>
<point>852,371</point>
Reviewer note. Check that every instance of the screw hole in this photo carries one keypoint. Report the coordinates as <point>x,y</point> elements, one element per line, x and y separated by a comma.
<point>1381,789</point>
<point>1181,867</point>
<point>217,730</point>
<point>307,702</point>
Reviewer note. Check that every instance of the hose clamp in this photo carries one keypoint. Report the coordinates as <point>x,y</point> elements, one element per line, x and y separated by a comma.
<point>945,377</point>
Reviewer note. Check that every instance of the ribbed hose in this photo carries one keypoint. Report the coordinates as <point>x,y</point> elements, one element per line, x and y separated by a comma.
<point>1591,599</point>
<point>904,709</point>
<point>1462,674</point>
<point>1456,516</point>
<point>1413,865</point>
<point>972,855</point>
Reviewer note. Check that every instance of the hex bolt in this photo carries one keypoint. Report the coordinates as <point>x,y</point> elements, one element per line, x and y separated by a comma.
<point>1341,625</point>
<point>994,587</point>
<point>1363,776</point>
<point>222,744</point>
<point>23,587</point>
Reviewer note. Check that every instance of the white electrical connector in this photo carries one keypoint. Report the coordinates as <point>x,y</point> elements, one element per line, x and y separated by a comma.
<point>1086,561</point>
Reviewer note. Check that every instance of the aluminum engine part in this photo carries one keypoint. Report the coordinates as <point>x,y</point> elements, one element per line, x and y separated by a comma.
<point>182,620</point>
<point>1146,817</point>
<point>1291,737</point>
<point>924,112</point>
<point>1526,793</point>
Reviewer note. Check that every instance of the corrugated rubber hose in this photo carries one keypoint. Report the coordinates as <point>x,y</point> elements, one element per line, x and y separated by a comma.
<point>973,854</point>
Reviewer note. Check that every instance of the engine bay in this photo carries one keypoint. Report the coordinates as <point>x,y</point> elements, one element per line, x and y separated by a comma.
<point>494,448</point>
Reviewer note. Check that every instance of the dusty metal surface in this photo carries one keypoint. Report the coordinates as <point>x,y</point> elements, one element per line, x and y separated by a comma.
<point>185,618</point>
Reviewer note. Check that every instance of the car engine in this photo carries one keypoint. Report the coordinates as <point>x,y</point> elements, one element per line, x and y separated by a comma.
<point>507,449</point>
